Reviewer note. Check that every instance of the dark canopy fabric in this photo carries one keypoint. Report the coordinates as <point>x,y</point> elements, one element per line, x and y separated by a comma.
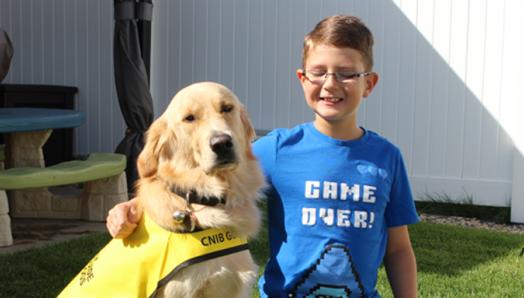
<point>131,77</point>
<point>6,53</point>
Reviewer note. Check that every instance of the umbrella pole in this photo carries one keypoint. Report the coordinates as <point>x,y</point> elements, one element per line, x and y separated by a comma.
<point>132,78</point>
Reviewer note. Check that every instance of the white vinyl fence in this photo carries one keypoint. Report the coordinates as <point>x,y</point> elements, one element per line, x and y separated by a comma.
<point>449,93</point>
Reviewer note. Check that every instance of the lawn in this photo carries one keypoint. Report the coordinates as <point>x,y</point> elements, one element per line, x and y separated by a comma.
<point>452,262</point>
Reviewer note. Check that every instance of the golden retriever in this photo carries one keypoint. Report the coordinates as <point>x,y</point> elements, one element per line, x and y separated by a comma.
<point>202,143</point>
<point>197,172</point>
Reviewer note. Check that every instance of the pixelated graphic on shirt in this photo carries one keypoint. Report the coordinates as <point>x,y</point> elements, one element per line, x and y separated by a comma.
<point>344,217</point>
<point>333,275</point>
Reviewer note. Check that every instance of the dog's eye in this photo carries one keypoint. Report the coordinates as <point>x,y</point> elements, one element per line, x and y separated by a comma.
<point>226,108</point>
<point>189,118</point>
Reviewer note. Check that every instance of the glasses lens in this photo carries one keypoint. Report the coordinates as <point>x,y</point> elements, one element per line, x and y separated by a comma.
<point>318,77</point>
<point>345,76</point>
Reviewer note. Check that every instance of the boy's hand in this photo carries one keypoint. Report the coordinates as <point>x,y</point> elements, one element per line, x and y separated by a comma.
<point>122,219</point>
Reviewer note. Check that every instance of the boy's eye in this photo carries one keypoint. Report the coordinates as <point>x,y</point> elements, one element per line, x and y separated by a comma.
<point>339,74</point>
<point>316,73</point>
<point>346,75</point>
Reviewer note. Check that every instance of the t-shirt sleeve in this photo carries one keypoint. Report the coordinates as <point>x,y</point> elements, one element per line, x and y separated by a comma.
<point>401,207</point>
<point>265,150</point>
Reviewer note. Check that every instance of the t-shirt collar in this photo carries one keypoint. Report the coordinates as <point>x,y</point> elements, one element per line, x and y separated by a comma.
<point>349,143</point>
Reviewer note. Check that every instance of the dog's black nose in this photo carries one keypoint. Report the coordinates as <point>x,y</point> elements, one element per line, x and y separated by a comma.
<point>221,144</point>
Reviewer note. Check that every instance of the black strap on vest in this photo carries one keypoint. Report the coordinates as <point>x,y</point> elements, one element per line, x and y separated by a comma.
<point>196,260</point>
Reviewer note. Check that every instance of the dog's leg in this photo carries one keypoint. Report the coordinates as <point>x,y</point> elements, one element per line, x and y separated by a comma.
<point>224,284</point>
<point>230,276</point>
<point>248,280</point>
<point>176,288</point>
<point>237,285</point>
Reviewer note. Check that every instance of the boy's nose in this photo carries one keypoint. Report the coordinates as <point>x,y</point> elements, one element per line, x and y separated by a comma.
<point>330,80</point>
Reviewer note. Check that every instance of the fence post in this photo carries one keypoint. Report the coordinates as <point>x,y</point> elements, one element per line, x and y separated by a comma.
<point>517,194</point>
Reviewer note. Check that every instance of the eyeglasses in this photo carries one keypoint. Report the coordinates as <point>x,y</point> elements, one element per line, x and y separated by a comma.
<point>319,77</point>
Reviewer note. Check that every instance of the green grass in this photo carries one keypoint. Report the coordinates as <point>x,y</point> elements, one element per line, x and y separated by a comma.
<point>452,262</point>
<point>44,272</point>
<point>464,262</point>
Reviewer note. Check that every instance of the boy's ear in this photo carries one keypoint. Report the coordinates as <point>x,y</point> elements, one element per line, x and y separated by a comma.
<point>300,75</point>
<point>371,82</point>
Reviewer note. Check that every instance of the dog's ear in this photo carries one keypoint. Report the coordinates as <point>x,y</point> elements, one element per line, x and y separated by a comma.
<point>159,145</point>
<point>249,131</point>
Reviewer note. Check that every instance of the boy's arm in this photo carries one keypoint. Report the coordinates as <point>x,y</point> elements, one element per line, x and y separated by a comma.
<point>122,218</point>
<point>400,263</point>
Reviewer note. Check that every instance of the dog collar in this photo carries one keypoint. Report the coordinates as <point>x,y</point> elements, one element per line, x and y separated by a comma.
<point>192,197</point>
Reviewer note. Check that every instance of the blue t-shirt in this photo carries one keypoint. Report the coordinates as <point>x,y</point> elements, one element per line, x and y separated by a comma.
<point>330,203</point>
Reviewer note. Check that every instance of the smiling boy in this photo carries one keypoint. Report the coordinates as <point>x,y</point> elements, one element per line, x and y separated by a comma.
<point>340,200</point>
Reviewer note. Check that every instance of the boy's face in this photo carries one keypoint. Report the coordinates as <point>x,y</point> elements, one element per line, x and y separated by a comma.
<point>334,102</point>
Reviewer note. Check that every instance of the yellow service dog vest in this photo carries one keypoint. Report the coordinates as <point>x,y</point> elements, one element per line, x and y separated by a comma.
<point>145,261</point>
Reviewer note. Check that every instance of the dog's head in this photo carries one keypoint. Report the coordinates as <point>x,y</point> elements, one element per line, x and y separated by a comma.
<point>205,126</point>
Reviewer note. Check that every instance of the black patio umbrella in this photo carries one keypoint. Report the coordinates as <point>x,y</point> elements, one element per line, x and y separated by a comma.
<point>131,53</point>
<point>6,54</point>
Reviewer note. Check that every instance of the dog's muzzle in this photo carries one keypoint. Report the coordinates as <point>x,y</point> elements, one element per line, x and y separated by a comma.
<point>222,146</point>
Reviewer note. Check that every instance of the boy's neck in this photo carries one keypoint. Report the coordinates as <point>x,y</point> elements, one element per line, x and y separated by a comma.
<point>339,131</point>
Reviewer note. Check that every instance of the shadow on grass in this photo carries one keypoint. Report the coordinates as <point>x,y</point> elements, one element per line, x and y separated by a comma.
<point>44,272</point>
<point>450,250</point>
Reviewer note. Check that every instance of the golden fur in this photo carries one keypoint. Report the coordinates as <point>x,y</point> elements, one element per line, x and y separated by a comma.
<point>181,151</point>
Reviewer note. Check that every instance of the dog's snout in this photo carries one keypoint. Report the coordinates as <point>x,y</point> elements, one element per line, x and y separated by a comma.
<point>221,144</point>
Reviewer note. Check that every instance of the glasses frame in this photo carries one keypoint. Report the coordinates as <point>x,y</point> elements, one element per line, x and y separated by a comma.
<point>338,77</point>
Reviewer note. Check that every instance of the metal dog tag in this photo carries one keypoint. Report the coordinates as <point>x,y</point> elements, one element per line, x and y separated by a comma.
<point>179,216</point>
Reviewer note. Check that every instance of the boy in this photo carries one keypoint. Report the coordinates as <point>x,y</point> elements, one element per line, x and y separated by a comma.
<point>339,202</point>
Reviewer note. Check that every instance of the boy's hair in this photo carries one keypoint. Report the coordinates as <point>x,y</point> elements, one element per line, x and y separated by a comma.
<point>342,31</point>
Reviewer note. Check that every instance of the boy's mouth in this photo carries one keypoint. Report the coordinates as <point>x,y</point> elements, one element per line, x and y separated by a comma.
<point>331,99</point>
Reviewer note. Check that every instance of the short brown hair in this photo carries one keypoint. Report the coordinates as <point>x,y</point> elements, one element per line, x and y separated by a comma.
<point>341,31</point>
